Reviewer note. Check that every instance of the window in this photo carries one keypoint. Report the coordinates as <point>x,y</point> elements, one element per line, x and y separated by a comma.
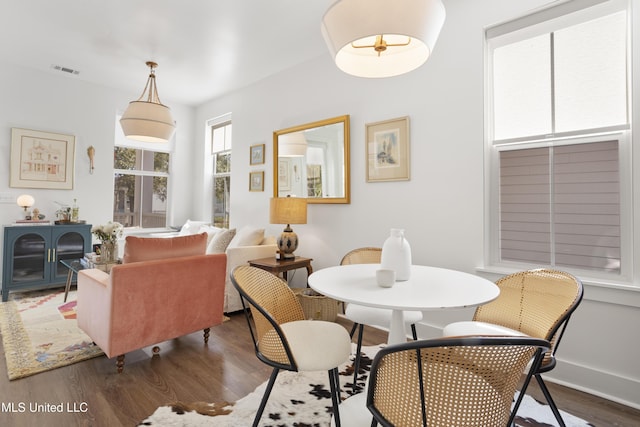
<point>558,137</point>
<point>140,187</point>
<point>221,150</point>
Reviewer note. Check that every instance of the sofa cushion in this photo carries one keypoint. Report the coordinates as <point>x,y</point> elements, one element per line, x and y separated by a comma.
<point>211,231</point>
<point>192,227</point>
<point>220,241</point>
<point>247,236</point>
<point>137,249</point>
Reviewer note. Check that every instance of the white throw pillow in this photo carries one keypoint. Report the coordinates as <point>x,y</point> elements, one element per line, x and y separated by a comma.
<point>210,230</point>
<point>220,241</point>
<point>191,227</point>
<point>247,236</point>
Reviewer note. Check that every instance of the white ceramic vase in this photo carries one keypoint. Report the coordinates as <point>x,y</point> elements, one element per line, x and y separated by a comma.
<point>396,255</point>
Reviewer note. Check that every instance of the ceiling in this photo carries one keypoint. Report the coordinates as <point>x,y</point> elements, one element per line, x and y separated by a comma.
<point>203,48</point>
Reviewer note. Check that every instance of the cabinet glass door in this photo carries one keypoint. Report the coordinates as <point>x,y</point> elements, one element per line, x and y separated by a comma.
<point>29,258</point>
<point>69,245</point>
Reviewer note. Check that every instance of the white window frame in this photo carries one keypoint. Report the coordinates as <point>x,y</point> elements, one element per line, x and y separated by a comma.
<point>492,259</point>
<point>145,173</point>
<point>211,125</point>
<point>122,141</point>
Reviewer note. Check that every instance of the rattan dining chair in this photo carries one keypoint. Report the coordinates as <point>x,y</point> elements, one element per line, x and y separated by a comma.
<point>465,381</point>
<point>536,303</point>
<point>283,338</point>
<point>361,315</point>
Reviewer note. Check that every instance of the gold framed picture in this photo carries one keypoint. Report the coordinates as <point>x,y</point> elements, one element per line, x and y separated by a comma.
<point>41,159</point>
<point>257,154</point>
<point>387,150</point>
<point>256,181</point>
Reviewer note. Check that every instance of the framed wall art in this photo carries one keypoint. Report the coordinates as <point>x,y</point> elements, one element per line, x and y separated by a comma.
<point>256,181</point>
<point>257,154</point>
<point>387,150</point>
<point>41,159</point>
<point>284,175</point>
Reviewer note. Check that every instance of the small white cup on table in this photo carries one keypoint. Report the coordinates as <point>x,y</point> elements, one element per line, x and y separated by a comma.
<point>385,277</point>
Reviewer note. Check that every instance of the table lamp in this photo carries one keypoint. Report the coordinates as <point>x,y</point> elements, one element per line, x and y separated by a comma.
<point>25,201</point>
<point>287,210</point>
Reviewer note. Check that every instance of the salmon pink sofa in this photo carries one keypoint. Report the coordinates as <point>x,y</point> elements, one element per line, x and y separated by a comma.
<point>165,288</point>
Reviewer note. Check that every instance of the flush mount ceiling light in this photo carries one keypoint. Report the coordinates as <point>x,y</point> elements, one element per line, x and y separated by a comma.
<point>380,38</point>
<point>147,119</point>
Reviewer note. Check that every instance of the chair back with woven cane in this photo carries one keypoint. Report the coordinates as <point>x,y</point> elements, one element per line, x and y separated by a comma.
<point>272,304</point>
<point>281,334</point>
<point>366,255</point>
<point>537,303</point>
<point>449,381</point>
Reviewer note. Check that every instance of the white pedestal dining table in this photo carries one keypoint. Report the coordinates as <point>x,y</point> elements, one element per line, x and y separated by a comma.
<point>428,288</point>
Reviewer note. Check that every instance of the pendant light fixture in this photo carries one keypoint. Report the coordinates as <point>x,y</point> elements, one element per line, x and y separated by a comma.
<point>381,38</point>
<point>147,119</point>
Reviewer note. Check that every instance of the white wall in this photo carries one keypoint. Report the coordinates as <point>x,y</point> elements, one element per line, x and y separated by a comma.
<point>442,206</point>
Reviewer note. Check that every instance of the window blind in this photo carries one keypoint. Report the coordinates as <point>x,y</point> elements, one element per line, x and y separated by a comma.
<point>560,206</point>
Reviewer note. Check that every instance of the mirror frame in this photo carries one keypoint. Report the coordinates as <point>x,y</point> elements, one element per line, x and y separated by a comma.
<point>347,162</point>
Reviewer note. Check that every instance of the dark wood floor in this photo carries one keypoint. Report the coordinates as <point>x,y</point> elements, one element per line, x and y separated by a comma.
<point>188,371</point>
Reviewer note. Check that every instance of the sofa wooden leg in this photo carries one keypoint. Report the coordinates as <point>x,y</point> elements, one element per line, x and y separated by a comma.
<point>206,335</point>
<point>120,363</point>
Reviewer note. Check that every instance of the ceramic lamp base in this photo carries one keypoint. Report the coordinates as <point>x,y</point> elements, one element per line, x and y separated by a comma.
<point>287,243</point>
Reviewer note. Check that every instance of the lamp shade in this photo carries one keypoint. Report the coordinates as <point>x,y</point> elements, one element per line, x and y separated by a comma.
<point>381,38</point>
<point>288,210</point>
<point>148,119</point>
<point>292,144</point>
<point>148,122</point>
<point>25,201</point>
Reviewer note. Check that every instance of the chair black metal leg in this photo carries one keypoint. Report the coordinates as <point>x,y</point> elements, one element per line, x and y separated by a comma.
<point>334,382</point>
<point>537,360</point>
<point>414,332</point>
<point>356,362</point>
<point>265,397</point>
<point>550,401</point>
<point>353,329</point>
<point>514,411</point>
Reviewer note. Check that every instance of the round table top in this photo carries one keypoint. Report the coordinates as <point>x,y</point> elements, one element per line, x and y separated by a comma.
<point>429,288</point>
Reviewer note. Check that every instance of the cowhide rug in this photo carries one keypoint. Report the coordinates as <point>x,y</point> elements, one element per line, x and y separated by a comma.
<point>303,400</point>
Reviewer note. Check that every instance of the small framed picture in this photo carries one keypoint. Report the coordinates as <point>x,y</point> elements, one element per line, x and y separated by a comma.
<point>257,154</point>
<point>387,148</point>
<point>256,181</point>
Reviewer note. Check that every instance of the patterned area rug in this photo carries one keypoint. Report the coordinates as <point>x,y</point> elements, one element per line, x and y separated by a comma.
<point>40,333</point>
<point>303,400</point>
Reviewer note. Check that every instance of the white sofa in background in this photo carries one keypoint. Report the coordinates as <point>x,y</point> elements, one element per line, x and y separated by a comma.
<point>245,244</point>
<point>240,256</point>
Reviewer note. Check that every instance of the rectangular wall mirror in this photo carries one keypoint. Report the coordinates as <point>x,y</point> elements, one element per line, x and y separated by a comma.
<point>312,161</point>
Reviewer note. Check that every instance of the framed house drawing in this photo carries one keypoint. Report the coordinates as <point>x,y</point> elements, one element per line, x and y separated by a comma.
<point>41,159</point>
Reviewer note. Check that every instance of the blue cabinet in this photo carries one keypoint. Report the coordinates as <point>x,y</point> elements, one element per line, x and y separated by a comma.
<point>32,254</point>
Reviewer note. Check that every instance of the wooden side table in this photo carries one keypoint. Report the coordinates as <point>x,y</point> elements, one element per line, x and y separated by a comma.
<point>276,266</point>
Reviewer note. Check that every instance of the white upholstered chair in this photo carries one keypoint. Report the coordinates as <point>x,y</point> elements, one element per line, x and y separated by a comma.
<point>282,338</point>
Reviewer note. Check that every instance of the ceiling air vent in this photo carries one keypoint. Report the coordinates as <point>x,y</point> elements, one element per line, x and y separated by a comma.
<point>65,70</point>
